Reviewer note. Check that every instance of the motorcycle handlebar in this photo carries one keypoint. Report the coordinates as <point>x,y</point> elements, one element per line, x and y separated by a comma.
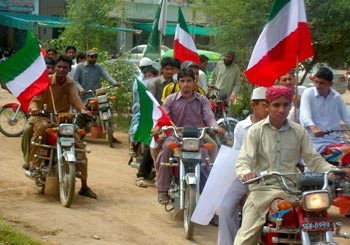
<point>176,131</point>
<point>282,178</point>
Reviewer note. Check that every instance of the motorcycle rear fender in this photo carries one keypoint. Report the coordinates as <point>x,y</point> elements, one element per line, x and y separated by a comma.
<point>12,105</point>
<point>191,179</point>
<point>69,156</point>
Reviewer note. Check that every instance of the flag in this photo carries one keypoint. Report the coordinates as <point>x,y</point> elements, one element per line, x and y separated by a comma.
<point>159,25</point>
<point>284,40</point>
<point>151,115</point>
<point>162,17</point>
<point>184,46</point>
<point>24,73</point>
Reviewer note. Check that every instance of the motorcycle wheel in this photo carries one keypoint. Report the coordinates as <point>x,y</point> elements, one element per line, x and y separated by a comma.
<point>190,204</point>
<point>109,130</point>
<point>9,127</point>
<point>67,185</point>
<point>227,138</point>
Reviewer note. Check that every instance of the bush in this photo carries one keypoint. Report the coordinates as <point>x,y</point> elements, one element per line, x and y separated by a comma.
<point>241,108</point>
<point>125,72</point>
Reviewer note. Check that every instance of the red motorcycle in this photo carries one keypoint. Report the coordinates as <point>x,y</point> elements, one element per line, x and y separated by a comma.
<point>12,119</point>
<point>339,155</point>
<point>302,218</point>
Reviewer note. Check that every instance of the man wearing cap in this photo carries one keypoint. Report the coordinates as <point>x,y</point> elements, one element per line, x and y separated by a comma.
<point>273,144</point>
<point>229,208</point>
<point>226,76</point>
<point>89,73</point>
<point>322,108</point>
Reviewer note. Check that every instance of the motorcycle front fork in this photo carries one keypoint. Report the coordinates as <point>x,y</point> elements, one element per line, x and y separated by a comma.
<point>186,178</point>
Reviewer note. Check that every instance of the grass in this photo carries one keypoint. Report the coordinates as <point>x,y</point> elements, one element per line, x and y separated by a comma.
<point>122,123</point>
<point>10,235</point>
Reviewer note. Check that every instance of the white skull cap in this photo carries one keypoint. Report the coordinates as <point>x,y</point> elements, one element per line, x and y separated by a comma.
<point>259,93</point>
<point>145,61</point>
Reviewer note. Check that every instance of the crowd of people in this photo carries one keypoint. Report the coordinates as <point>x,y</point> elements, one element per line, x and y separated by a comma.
<point>285,130</point>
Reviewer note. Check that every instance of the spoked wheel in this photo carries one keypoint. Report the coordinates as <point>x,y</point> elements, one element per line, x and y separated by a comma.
<point>229,126</point>
<point>190,204</point>
<point>109,130</point>
<point>12,126</point>
<point>67,185</point>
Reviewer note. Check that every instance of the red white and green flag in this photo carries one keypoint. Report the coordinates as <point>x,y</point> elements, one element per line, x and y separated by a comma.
<point>284,40</point>
<point>24,73</point>
<point>184,46</point>
<point>151,115</point>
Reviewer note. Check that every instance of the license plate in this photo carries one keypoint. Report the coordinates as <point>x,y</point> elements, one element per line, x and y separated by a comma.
<point>317,225</point>
<point>191,155</point>
<point>67,141</point>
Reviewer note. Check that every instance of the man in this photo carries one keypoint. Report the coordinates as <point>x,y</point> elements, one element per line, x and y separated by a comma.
<point>185,108</point>
<point>229,208</point>
<point>71,51</point>
<point>174,86</point>
<point>50,65</point>
<point>145,169</point>
<point>80,57</point>
<point>273,144</point>
<point>226,76</point>
<point>288,80</point>
<point>65,95</point>
<point>51,53</point>
<point>322,108</point>
<point>88,74</point>
<point>168,66</point>
<point>203,64</point>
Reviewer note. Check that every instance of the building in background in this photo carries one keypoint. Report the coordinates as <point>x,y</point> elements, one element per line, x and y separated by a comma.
<point>43,17</point>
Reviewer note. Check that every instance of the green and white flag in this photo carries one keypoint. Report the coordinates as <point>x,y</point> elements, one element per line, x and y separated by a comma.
<point>159,26</point>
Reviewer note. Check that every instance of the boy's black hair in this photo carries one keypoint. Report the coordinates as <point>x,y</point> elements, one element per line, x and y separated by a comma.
<point>65,58</point>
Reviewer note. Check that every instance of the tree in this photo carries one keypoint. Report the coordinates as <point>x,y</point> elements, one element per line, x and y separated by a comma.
<point>241,23</point>
<point>90,21</point>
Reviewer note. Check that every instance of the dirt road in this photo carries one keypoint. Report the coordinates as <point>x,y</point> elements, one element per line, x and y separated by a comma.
<point>122,214</point>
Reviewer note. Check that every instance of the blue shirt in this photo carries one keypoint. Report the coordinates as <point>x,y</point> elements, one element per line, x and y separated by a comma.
<point>325,113</point>
<point>89,76</point>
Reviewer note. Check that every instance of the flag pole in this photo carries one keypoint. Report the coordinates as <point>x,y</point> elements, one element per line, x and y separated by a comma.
<point>296,89</point>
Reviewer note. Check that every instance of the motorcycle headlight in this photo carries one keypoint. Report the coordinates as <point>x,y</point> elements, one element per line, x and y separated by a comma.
<point>66,129</point>
<point>316,200</point>
<point>190,144</point>
<point>102,98</point>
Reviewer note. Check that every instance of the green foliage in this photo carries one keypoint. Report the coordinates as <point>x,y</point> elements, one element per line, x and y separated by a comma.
<point>12,236</point>
<point>241,23</point>
<point>125,72</point>
<point>241,108</point>
<point>90,20</point>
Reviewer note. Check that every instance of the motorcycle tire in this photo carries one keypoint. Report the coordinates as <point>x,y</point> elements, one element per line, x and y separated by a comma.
<point>12,128</point>
<point>67,185</point>
<point>109,129</point>
<point>190,205</point>
<point>228,137</point>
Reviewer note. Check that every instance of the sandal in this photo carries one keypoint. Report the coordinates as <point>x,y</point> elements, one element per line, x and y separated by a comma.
<point>87,193</point>
<point>140,182</point>
<point>163,197</point>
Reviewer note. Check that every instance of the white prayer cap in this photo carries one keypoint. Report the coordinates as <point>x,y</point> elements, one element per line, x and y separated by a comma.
<point>259,93</point>
<point>145,61</point>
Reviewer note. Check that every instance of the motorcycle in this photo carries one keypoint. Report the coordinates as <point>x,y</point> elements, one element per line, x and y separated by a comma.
<point>59,156</point>
<point>12,119</point>
<point>100,103</point>
<point>302,217</point>
<point>339,155</point>
<point>219,107</point>
<point>184,188</point>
